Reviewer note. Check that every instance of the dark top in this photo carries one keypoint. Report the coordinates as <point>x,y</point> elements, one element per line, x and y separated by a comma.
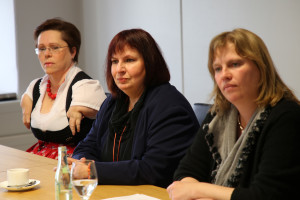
<point>121,130</point>
<point>272,170</point>
<point>165,128</point>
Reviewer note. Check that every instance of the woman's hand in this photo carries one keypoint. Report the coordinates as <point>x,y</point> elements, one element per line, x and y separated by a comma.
<point>190,189</point>
<point>26,105</point>
<point>180,190</point>
<point>81,169</point>
<point>70,161</point>
<point>186,189</point>
<point>76,114</point>
<point>75,117</point>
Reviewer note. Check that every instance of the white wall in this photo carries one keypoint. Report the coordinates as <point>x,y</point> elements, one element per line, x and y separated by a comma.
<point>28,15</point>
<point>104,19</point>
<point>8,83</point>
<point>275,21</point>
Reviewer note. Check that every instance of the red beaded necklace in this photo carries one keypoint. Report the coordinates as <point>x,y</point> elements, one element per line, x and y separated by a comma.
<point>52,96</point>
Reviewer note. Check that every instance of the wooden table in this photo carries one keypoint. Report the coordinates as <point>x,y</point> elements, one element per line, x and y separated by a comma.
<point>41,168</point>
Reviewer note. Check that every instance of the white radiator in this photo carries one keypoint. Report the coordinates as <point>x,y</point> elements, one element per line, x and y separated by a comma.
<point>13,133</point>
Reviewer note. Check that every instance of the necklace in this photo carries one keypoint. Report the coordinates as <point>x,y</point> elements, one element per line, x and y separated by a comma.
<point>119,145</point>
<point>52,96</point>
<point>239,122</point>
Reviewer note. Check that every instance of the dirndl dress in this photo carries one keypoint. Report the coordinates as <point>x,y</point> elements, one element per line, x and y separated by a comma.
<point>49,149</point>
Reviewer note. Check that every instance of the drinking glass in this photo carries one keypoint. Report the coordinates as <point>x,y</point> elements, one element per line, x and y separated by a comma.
<point>84,177</point>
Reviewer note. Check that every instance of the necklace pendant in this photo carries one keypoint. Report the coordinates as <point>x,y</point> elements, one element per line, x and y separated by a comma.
<point>240,125</point>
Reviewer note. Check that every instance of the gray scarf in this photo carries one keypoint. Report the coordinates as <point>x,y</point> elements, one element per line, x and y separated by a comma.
<point>230,150</point>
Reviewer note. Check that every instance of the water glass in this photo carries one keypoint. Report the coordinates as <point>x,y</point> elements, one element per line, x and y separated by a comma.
<point>84,178</point>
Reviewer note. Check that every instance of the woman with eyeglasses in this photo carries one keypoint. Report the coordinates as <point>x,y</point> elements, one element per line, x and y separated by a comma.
<point>59,108</point>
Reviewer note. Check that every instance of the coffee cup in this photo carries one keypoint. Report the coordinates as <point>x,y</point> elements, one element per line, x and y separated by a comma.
<point>17,176</point>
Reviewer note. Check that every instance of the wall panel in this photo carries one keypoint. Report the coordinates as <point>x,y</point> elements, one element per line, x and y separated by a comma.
<point>104,19</point>
<point>275,21</point>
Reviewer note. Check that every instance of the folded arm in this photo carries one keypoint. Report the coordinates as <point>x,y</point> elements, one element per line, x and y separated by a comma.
<point>75,115</point>
<point>189,189</point>
<point>26,105</point>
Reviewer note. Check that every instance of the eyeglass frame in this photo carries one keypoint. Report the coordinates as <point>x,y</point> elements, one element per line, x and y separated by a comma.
<point>51,49</point>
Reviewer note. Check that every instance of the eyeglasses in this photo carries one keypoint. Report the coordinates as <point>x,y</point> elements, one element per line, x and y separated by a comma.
<point>52,49</point>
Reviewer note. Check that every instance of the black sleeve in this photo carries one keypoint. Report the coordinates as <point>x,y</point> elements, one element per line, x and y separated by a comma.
<point>277,159</point>
<point>197,163</point>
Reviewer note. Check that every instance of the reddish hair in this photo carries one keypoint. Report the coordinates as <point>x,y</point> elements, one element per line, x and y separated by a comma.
<point>157,72</point>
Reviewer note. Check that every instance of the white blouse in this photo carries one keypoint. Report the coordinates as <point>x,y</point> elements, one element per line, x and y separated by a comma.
<point>86,92</point>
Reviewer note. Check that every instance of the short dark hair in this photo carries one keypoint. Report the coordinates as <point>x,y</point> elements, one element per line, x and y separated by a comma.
<point>157,71</point>
<point>70,33</point>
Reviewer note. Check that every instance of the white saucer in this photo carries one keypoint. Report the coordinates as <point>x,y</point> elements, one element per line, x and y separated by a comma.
<point>4,185</point>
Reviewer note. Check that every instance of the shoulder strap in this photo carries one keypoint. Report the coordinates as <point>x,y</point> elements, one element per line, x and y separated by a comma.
<point>79,76</point>
<point>36,93</point>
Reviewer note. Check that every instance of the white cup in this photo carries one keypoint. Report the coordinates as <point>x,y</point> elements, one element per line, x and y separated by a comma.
<point>17,176</point>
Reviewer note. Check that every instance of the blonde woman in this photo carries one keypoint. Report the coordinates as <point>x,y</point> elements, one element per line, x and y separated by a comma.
<point>248,146</point>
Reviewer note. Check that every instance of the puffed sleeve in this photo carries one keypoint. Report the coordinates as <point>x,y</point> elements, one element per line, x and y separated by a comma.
<point>88,93</point>
<point>29,89</point>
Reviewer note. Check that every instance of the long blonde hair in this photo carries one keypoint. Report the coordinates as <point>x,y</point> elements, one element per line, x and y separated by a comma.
<point>250,46</point>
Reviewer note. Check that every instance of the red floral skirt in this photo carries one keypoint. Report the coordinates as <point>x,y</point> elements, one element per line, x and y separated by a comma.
<point>49,149</point>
